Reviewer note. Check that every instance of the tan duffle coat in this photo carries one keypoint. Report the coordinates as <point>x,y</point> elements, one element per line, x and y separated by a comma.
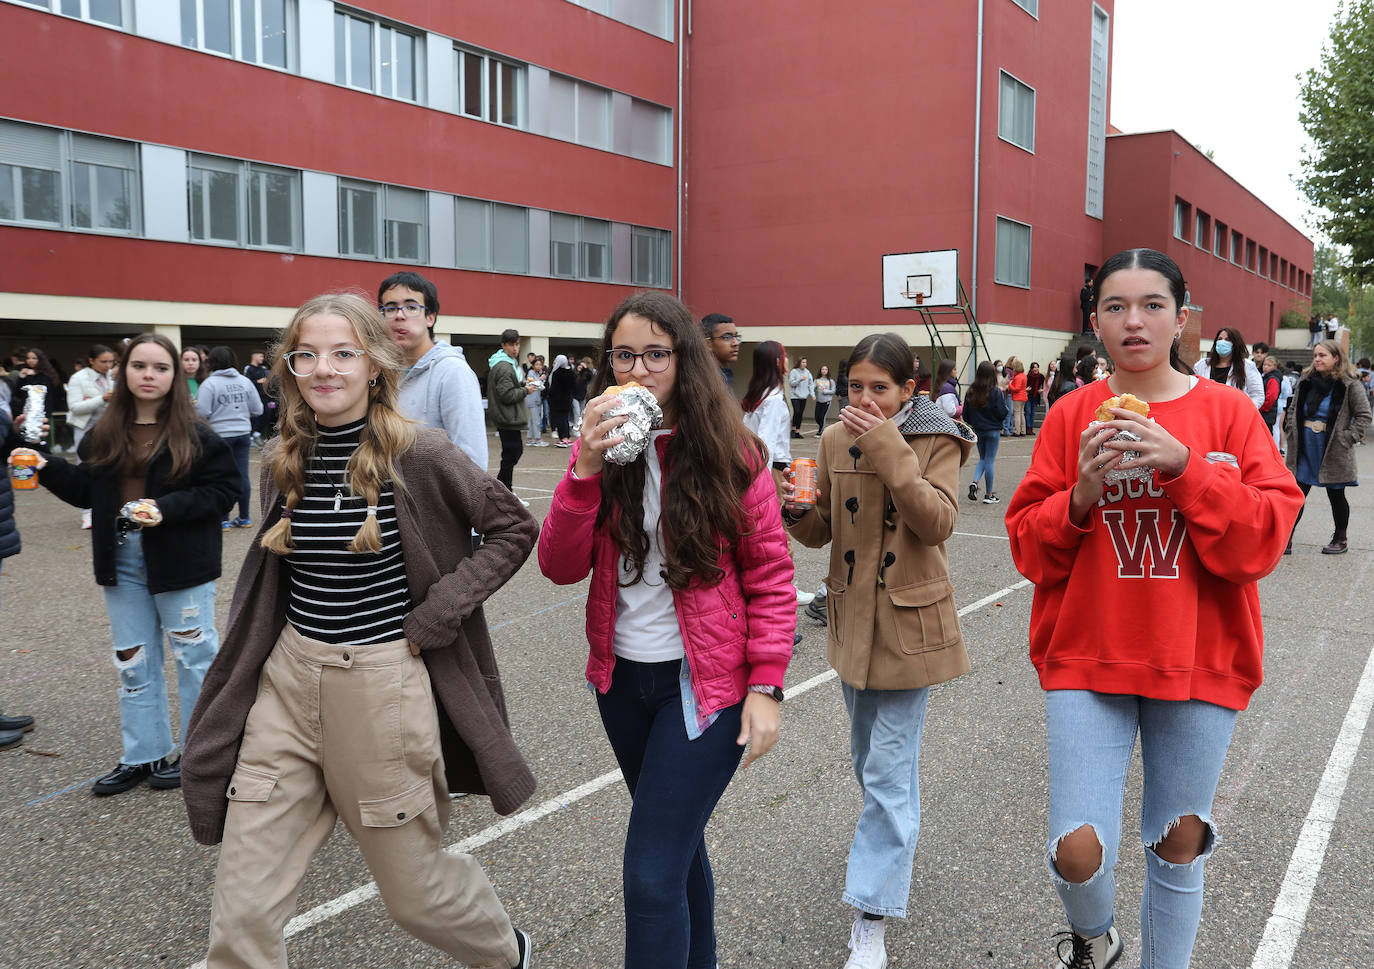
<point>887,501</point>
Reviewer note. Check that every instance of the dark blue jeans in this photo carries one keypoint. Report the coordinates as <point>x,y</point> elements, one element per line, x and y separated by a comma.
<point>240,446</point>
<point>674,785</point>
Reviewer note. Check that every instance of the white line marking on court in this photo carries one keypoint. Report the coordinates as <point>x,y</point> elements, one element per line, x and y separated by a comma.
<point>996,538</point>
<point>337,906</point>
<point>1285,925</point>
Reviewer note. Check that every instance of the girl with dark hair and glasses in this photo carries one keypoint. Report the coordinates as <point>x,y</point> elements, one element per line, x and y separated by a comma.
<point>1161,540</point>
<point>689,616</point>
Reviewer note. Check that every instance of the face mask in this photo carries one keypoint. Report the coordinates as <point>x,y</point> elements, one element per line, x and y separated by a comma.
<point>1223,348</point>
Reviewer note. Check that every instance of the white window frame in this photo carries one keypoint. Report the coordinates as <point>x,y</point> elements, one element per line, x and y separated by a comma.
<point>1221,238</point>
<point>1201,230</point>
<point>1031,7</point>
<point>488,215</point>
<point>1237,249</point>
<point>376,26</point>
<point>390,225</point>
<point>346,242</point>
<point>996,274</point>
<point>579,117</point>
<point>55,7</point>
<point>491,68</point>
<point>1099,74</point>
<point>244,173</point>
<point>579,254</point>
<point>1182,210</point>
<point>1006,125</point>
<point>236,46</point>
<point>659,273</point>
<point>66,161</point>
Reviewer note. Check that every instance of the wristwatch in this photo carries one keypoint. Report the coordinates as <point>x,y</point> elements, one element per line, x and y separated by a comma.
<point>774,691</point>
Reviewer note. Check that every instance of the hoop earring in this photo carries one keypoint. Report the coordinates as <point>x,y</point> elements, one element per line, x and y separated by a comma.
<point>372,382</point>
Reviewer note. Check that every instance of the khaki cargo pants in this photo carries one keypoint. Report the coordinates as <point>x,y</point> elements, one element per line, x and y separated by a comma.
<point>351,732</point>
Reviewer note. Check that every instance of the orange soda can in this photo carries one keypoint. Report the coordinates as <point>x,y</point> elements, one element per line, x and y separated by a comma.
<point>804,483</point>
<point>24,472</point>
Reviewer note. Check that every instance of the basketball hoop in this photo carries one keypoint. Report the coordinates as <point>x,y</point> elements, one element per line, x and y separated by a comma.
<point>918,296</point>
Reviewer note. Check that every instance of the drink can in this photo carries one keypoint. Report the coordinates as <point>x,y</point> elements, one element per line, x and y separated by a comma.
<point>804,483</point>
<point>24,472</point>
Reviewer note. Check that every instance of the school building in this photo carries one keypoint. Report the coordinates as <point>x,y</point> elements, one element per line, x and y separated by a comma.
<point>201,167</point>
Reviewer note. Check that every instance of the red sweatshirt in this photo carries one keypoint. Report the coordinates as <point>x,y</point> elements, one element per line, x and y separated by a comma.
<point>1156,596</point>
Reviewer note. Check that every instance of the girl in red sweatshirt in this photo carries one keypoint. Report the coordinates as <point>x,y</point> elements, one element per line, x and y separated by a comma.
<point>1158,544</point>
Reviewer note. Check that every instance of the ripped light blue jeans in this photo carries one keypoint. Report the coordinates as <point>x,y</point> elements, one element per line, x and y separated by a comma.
<point>141,620</point>
<point>1183,745</point>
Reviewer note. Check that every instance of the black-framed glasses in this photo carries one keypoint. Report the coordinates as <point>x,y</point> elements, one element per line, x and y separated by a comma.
<point>408,309</point>
<point>655,361</point>
<point>344,360</point>
<point>728,337</point>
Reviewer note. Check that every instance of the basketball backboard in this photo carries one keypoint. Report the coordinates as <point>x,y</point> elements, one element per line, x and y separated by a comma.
<point>912,279</point>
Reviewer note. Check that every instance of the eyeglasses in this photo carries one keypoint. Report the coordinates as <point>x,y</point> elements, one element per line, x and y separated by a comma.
<point>728,337</point>
<point>655,361</point>
<point>409,310</point>
<point>302,363</point>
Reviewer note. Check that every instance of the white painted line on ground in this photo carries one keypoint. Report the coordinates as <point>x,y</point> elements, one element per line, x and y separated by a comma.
<point>996,538</point>
<point>1285,925</point>
<point>363,893</point>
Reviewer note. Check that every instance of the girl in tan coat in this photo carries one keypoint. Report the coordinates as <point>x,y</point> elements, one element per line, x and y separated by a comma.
<point>887,477</point>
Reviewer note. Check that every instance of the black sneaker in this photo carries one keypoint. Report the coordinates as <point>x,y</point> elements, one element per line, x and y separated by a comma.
<point>973,492</point>
<point>119,780</point>
<point>522,942</point>
<point>1099,952</point>
<point>22,724</point>
<point>816,610</point>
<point>165,776</point>
<point>991,499</point>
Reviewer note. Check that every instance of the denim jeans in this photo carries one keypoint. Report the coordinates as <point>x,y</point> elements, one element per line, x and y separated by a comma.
<point>1008,422</point>
<point>674,785</point>
<point>1183,745</point>
<point>241,446</point>
<point>140,620</point>
<point>988,442</point>
<point>885,745</point>
<point>1032,405</point>
<point>535,418</point>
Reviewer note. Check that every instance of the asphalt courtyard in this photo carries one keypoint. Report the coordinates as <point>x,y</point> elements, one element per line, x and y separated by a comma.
<point>116,882</point>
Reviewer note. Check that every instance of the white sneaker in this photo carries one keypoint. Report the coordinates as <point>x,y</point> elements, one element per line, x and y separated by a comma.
<point>804,598</point>
<point>1075,952</point>
<point>866,948</point>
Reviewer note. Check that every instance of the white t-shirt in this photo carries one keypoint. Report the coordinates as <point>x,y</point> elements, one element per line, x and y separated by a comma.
<point>772,421</point>
<point>646,629</point>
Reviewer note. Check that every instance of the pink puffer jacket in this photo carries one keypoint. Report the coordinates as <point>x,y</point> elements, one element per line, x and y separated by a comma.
<point>736,633</point>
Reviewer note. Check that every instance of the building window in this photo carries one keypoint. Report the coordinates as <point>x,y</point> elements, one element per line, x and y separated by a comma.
<point>110,12</point>
<point>359,218</point>
<point>1202,225</point>
<point>1013,258</point>
<point>1250,254</point>
<point>654,16</point>
<point>66,179</point>
<point>1219,240</point>
<point>258,31</point>
<point>1236,240</point>
<point>1097,110</point>
<point>1263,269</point>
<point>579,248</point>
<point>651,132</point>
<point>579,112</point>
<point>1016,113</point>
<point>1031,7</point>
<point>1182,210</point>
<point>404,223</point>
<point>492,236</point>
<point>373,56</point>
<point>490,88</point>
<point>651,254</point>
<point>243,203</point>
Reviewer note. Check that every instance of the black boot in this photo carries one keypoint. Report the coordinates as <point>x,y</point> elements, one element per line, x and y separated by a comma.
<point>1336,545</point>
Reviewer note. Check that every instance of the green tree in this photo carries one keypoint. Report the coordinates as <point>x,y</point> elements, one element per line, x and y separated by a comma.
<point>1338,113</point>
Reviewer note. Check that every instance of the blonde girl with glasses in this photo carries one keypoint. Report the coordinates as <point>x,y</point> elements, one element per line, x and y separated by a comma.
<point>355,642</point>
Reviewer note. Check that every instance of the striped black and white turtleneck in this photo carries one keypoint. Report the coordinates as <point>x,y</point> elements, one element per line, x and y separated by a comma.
<point>337,595</point>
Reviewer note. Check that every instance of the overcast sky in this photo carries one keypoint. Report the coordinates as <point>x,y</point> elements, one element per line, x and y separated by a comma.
<point>1224,75</point>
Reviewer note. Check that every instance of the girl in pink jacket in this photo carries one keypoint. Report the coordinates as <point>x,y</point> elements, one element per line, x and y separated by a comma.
<point>690,612</point>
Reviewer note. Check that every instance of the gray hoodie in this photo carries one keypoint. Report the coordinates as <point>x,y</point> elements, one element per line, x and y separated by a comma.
<point>230,401</point>
<point>441,391</point>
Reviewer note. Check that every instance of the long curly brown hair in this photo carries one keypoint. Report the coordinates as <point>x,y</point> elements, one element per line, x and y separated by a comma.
<point>711,461</point>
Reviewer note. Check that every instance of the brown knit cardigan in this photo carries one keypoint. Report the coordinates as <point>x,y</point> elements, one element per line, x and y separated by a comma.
<point>443,496</point>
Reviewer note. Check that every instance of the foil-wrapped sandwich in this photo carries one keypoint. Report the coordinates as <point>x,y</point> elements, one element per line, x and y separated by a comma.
<point>141,512</point>
<point>1104,413</point>
<point>644,415</point>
